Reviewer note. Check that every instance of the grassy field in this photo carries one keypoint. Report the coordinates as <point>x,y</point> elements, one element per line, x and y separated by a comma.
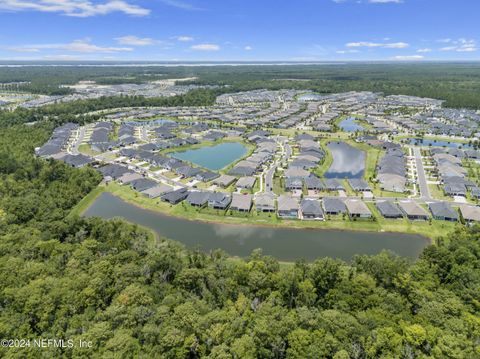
<point>87,150</point>
<point>428,229</point>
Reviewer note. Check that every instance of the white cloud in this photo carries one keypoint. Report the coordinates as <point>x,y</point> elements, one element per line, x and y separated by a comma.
<point>393,45</point>
<point>424,51</point>
<point>460,45</point>
<point>82,46</point>
<point>352,51</point>
<point>408,57</point>
<point>184,38</point>
<point>248,48</point>
<point>180,5</point>
<point>205,47</point>
<point>135,41</point>
<point>76,8</point>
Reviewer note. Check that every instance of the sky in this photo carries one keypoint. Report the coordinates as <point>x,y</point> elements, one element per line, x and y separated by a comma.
<point>240,30</point>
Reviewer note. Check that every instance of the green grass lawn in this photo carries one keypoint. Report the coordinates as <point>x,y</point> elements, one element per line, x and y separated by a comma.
<point>87,150</point>
<point>428,229</point>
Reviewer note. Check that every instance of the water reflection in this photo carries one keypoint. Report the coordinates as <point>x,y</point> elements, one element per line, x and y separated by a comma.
<point>285,244</point>
<point>213,157</point>
<point>348,161</point>
<point>349,125</point>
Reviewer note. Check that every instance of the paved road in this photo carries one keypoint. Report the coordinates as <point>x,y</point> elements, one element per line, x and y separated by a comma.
<point>421,177</point>
<point>269,178</point>
<point>78,141</point>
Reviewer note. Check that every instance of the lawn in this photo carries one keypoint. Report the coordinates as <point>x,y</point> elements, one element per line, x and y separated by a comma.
<point>428,229</point>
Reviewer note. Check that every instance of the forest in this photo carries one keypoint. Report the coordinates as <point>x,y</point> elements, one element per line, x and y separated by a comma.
<point>456,83</point>
<point>136,296</point>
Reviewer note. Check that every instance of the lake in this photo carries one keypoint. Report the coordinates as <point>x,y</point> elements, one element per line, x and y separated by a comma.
<point>285,244</point>
<point>213,157</point>
<point>437,143</point>
<point>350,125</point>
<point>348,161</point>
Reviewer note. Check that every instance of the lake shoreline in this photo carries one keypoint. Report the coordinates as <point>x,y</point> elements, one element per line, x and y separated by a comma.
<point>287,243</point>
<point>360,226</point>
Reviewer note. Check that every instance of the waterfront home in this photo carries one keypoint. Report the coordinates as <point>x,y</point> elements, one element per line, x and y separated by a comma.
<point>312,182</point>
<point>265,202</point>
<point>241,202</point>
<point>333,184</point>
<point>219,200</point>
<point>129,177</point>
<point>187,171</point>
<point>287,207</point>
<point>198,198</point>
<point>388,209</point>
<point>413,210</point>
<point>357,209</point>
<point>175,197</point>
<point>443,211</point>
<point>470,213</point>
<point>142,184</point>
<point>157,191</point>
<point>311,209</point>
<point>359,185</point>
<point>334,206</point>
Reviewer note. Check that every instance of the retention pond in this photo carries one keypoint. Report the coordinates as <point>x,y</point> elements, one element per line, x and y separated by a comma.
<point>285,244</point>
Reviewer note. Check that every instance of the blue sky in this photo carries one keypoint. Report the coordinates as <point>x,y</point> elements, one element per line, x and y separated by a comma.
<point>246,30</point>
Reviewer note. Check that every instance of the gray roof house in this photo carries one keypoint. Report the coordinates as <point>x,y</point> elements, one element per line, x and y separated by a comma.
<point>357,209</point>
<point>314,183</point>
<point>413,210</point>
<point>224,180</point>
<point>246,182</point>
<point>311,209</point>
<point>241,202</point>
<point>175,197</point>
<point>219,200</point>
<point>129,177</point>
<point>198,198</point>
<point>293,183</point>
<point>265,202</point>
<point>142,184</point>
<point>157,191</point>
<point>359,185</point>
<point>388,209</point>
<point>443,211</point>
<point>334,206</point>
<point>470,213</point>
<point>333,184</point>
<point>207,176</point>
<point>77,161</point>
<point>287,207</point>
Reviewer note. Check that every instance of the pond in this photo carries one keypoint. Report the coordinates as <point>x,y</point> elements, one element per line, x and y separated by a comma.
<point>350,125</point>
<point>285,244</point>
<point>437,143</point>
<point>213,157</point>
<point>348,161</point>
